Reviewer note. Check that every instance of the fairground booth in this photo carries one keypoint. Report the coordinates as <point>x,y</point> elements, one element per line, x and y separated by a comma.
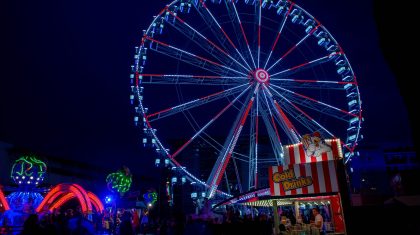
<point>311,177</point>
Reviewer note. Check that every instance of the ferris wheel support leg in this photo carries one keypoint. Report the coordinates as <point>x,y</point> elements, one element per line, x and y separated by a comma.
<point>224,157</point>
<point>274,136</point>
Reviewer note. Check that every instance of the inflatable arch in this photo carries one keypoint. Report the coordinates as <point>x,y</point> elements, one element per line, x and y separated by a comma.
<point>62,193</point>
<point>95,202</point>
<point>3,201</point>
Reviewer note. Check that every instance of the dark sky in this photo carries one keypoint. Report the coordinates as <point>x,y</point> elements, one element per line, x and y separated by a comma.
<point>64,87</point>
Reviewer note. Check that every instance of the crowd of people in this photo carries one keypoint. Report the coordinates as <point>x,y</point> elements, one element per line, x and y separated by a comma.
<point>69,222</point>
<point>131,222</point>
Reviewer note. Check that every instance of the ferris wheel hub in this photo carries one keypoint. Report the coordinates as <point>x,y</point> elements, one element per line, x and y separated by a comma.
<point>261,76</point>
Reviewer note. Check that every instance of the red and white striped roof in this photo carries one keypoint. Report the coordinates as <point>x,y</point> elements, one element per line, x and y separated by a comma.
<point>296,154</point>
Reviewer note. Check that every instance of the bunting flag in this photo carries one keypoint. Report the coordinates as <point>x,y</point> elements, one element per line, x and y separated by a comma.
<point>309,178</point>
<point>308,151</point>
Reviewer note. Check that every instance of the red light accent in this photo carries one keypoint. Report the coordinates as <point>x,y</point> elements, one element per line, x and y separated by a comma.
<point>61,201</point>
<point>60,194</point>
<point>242,122</point>
<point>50,196</point>
<point>173,14</point>
<point>228,38</point>
<point>286,120</point>
<point>4,201</point>
<point>96,202</point>
<point>85,197</point>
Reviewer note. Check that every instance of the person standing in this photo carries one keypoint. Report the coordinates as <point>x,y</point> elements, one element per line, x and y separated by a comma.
<point>319,221</point>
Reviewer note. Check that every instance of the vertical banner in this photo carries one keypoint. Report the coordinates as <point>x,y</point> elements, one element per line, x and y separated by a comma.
<point>337,211</point>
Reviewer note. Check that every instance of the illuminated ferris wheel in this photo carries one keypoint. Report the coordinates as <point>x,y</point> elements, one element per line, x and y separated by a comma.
<point>221,86</point>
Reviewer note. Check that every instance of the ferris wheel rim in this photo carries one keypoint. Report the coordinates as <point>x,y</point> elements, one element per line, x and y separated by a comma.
<point>258,80</point>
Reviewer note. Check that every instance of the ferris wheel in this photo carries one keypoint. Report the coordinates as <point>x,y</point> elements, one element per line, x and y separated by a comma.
<point>220,86</point>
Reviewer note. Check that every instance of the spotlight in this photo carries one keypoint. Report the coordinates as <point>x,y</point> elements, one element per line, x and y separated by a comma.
<point>108,199</point>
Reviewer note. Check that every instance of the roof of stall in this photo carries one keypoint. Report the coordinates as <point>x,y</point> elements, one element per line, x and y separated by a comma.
<point>262,198</point>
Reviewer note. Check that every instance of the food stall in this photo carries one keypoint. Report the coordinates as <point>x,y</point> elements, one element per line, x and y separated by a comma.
<point>307,179</point>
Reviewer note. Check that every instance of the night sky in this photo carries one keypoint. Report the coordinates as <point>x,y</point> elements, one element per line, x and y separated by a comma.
<point>64,81</point>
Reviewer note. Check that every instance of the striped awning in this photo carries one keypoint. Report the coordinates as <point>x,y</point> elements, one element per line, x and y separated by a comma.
<point>301,179</point>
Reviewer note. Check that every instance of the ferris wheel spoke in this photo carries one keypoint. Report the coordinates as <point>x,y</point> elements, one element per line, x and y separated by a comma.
<point>189,57</point>
<point>253,146</point>
<point>249,72</point>
<point>310,84</point>
<point>303,66</point>
<point>300,116</point>
<point>195,103</point>
<point>238,178</point>
<point>230,143</point>
<point>317,105</point>
<point>208,123</point>
<point>202,41</point>
<point>293,47</point>
<point>211,141</point>
<point>188,79</point>
<point>305,114</point>
<point>271,127</point>
<point>287,126</point>
<point>279,33</point>
<point>236,15</point>
<point>221,38</point>
<point>210,19</point>
<point>217,146</point>
<point>273,135</point>
<point>235,155</point>
<point>259,35</point>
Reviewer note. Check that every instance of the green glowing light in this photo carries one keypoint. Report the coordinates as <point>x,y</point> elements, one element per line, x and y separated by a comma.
<point>28,170</point>
<point>150,197</point>
<point>119,181</point>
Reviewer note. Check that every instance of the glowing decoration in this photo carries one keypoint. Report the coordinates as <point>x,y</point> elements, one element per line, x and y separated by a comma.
<point>108,199</point>
<point>61,190</point>
<point>24,201</point>
<point>119,181</point>
<point>28,171</point>
<point>95,202</point>
<point>63,199</point>
<point>3,202</point>
<point>150,197</point>
<point>291,77</point>
<point>62,193</point>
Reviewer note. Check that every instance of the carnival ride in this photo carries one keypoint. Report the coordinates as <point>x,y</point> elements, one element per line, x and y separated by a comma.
<point>241,78</point>
<point>28,172</point>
